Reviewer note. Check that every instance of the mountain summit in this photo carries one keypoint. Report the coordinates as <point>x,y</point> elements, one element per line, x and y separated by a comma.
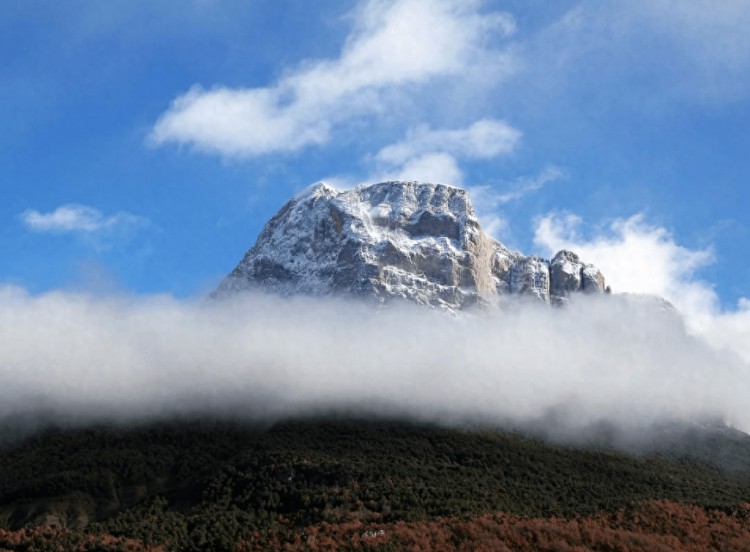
<point>410,240</point>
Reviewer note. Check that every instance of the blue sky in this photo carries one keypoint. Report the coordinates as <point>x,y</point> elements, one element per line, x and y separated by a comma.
<point>145,144</point>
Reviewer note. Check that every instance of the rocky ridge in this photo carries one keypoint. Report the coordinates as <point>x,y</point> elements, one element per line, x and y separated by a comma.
<point>410,240</point>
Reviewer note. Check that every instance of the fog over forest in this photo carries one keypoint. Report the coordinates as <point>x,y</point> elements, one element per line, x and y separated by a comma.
<point>626,360</point>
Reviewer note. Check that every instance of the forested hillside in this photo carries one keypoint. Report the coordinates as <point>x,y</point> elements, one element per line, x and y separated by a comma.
<point>192,486</point>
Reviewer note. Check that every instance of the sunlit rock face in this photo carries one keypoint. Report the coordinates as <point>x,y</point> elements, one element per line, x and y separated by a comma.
<point>399,240</point>
<point>569,275</point>
<point>530,276</point>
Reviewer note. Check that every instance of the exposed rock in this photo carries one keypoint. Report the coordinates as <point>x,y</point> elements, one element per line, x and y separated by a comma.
<point>569,275</point>
<point>530,276</point>
<point>410,240</point>
<point>565,270</point>
<point>592,279</point>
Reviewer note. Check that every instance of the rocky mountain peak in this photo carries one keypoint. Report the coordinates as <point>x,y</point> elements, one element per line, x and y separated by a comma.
<point>411,240</point>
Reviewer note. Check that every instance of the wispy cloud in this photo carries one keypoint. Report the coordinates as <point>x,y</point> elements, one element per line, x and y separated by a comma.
<point>711,35</point>
<point>488,199</point>
<point>73,217</point>
<point>84,221</point>
<point>648,50</point>
<point>394,45</point>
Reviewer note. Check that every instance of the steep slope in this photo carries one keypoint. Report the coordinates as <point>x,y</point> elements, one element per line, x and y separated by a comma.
<point>409,240</point>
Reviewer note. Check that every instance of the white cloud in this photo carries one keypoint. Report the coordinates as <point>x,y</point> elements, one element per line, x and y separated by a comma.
<point>483,139</point>
<point>430,155</point>
<point>435,167</point>
<point>431,167</point>
<point>604,358</point>
<point>637,257</point>
<point>729,330</point>
<point>75,218</point>
<point>394,44</point>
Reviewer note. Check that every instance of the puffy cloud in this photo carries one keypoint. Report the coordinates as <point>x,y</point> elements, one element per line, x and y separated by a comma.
<point>430,167</point>
<point>635,256</point>
<point>483,139</point>
<point>638,257</point>
<point>432,155</point>
<point>394,44</point>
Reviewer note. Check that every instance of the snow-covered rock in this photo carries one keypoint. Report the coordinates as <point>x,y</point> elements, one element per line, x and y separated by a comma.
<point>530,276</point>
<point>410,240</point>
<point>569,275</point>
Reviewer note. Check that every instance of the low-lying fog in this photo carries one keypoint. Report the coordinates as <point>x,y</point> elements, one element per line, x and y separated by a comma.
<point>623,360</point>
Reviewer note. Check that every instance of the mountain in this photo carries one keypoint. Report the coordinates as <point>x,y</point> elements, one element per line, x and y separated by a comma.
<point>409,240</point>
<point>335,481</point>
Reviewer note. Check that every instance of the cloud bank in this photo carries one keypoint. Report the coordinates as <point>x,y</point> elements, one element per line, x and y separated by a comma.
<point>609,358</point>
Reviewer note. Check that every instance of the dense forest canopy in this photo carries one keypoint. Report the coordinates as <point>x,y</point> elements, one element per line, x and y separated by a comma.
<point>192,485</point>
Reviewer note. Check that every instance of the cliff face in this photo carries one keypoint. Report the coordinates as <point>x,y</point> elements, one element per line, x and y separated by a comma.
<point>415,241</point>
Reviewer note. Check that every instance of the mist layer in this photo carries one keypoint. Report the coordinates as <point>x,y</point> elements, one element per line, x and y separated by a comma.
<point>621,360</point>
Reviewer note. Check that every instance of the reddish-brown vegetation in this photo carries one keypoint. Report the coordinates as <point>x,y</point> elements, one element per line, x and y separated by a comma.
<point>658,526</point>
<point>46,539</point>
